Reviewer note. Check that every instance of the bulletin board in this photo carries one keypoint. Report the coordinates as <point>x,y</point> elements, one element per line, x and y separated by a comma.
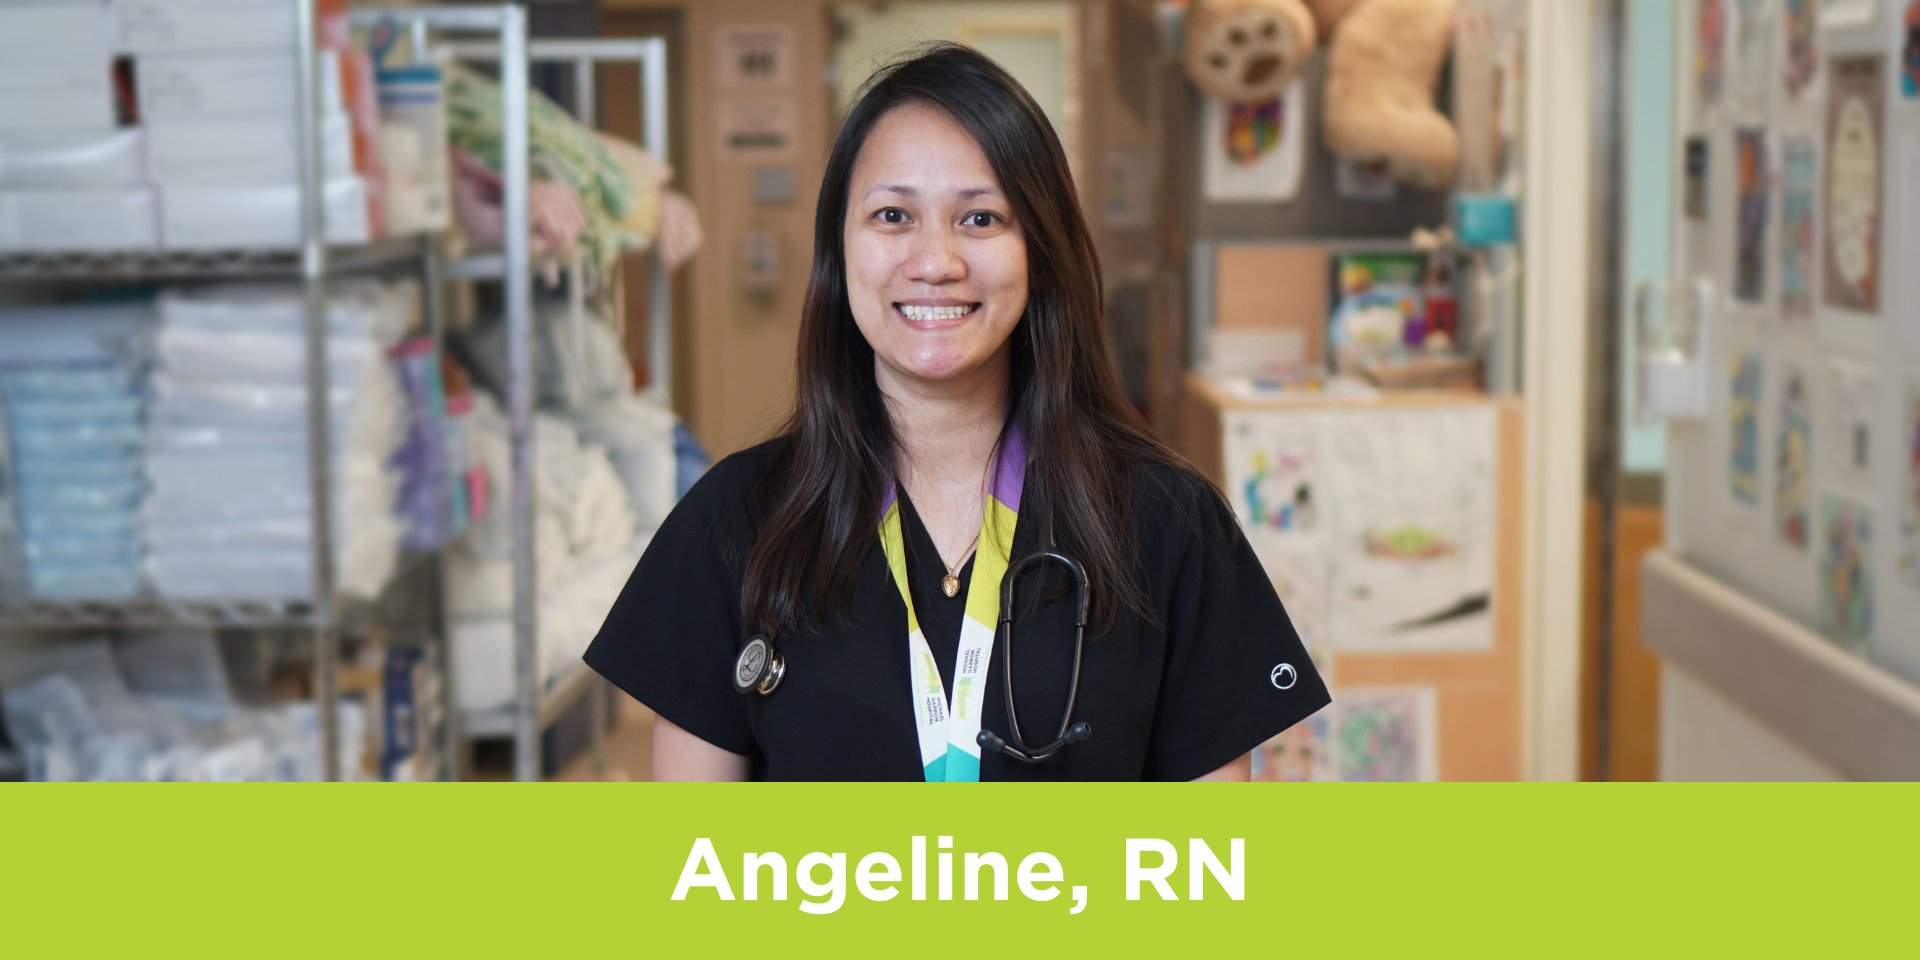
<point>1427,678</point>
<point>1799,219</point>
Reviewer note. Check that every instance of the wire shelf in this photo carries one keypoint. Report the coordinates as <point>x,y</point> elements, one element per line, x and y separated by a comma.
<point>153,612</point>
<point>136,265</point>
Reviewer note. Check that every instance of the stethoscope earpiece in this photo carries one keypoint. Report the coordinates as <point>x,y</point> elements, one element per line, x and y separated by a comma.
<point>760,668</point>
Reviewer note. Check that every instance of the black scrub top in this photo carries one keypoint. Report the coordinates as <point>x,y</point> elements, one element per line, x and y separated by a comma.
<point>1171,697</point>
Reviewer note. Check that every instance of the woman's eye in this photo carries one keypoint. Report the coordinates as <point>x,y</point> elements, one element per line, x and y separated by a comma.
<point>893,215</point>
<point>982,219</point>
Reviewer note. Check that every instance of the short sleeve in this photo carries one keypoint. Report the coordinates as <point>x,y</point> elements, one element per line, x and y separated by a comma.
<point>1236,671</point>
<point>671,638</point>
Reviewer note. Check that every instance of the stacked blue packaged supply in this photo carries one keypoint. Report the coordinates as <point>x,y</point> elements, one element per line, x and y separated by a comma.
<point>70,382</point>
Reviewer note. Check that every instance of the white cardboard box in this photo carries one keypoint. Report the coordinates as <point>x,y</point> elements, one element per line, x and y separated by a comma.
<point>261,217</point>
<point>40,36</point>
<point>75,98</point>
<point>58,220</point>
<point>72,158</point>
<point>191,88</point>
<point>243,152</point>
<point>202,26</point>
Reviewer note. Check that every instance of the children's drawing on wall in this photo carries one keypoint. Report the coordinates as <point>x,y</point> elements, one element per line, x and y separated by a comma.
<point>1302,753</point>
<point>1910,51</point>
<point>1385,734</point>
<point>1272,463</point>
<point>1796,228</point>
<point>1800,55</point>
<point>1710,50</point>
<point>1750,250</point>
<point>1855,105</point>
<point>1410,548</point>
<point>1277,490</point>
<point>1792,468</point>
<point>1853,387</point>
<point>1846,570</point>
<point>1255,152</point>
<point>1743,428</point>
<point>1909,561</point>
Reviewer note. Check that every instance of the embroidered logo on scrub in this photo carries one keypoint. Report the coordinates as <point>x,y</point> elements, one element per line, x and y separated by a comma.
<point>1284,676</point>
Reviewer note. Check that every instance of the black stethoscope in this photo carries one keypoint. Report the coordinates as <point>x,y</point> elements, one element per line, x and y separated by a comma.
<point>761,666</point>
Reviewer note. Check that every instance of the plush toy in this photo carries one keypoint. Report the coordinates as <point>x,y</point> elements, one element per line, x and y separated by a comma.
<point>1383,61</point>
<point>1245,51</point>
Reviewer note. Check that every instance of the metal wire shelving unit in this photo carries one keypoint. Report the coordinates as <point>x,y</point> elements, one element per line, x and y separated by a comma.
<point>496,34</point>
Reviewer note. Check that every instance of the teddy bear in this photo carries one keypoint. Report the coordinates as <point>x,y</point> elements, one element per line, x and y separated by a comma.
<point>1383,61</point>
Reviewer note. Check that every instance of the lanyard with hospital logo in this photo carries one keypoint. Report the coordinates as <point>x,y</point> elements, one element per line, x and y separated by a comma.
<point>948,726</point>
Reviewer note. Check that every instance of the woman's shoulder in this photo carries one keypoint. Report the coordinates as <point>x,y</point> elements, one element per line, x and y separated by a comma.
<point>729,498</point>
<point>739,474</point>
<point>1174,503</point>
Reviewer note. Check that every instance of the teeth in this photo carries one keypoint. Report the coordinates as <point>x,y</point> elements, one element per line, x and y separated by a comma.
<point>933,313</point>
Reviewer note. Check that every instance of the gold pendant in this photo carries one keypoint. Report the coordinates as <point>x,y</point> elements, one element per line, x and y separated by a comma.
<point>950,584</point>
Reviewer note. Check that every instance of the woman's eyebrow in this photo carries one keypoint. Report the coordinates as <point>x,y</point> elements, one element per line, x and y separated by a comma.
<point>908,190</point>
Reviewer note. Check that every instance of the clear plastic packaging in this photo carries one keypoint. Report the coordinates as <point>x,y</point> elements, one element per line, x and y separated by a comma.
<point>73,158</point>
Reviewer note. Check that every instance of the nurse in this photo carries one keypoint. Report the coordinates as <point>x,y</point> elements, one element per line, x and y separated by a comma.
<point>955,409</point>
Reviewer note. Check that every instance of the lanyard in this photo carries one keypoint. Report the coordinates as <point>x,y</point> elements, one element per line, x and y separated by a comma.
<point>948,725</point>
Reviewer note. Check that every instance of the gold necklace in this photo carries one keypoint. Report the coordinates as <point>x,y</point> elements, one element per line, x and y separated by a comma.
<point>950,584</point>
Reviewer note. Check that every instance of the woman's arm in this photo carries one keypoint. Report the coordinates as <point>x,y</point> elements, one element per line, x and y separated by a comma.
<point>1239,771</point>
<point>679,755</point>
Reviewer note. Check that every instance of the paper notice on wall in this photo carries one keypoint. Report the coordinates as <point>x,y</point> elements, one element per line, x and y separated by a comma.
<point>1753,46</point>
<point>1855,111</point>
<point>757,128</point>
<point>1848,450</point>
<point>1254,153</point>
<point>1909,450</point>
<point>1302,753</point>
<point>1744,382</point>
<point>1846,570</point>
<point>754,54</point>
<point>1411,542</point>
<point>1846,13</point>
<point>1385,734</point>
<point>1792,460</point>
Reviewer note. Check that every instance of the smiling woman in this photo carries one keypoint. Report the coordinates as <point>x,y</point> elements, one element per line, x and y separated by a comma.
<point>837,602</point>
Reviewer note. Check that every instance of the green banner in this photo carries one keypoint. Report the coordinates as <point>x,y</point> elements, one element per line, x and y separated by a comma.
<point>1132,870</point>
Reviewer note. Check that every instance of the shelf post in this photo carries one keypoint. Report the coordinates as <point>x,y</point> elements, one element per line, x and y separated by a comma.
<point>660,291</point>
<point>313,276</point>
<point>520,388</point>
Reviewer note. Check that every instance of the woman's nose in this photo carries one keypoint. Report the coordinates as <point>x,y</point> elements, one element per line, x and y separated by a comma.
<point>935,257</point>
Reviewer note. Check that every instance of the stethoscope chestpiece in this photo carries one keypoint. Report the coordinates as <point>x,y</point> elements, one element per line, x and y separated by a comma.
<point>760,668</point>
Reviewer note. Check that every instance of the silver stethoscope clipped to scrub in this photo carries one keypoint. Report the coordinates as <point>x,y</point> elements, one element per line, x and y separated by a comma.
<point>761,666</point>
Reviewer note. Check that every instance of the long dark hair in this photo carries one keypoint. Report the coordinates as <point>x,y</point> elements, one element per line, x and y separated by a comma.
<point>824,486</point>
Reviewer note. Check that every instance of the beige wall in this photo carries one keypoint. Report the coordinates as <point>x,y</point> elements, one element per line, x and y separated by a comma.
<point>737,349</point>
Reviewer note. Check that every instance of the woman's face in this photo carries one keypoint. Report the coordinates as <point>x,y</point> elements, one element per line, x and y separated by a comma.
<point>936,267</point>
